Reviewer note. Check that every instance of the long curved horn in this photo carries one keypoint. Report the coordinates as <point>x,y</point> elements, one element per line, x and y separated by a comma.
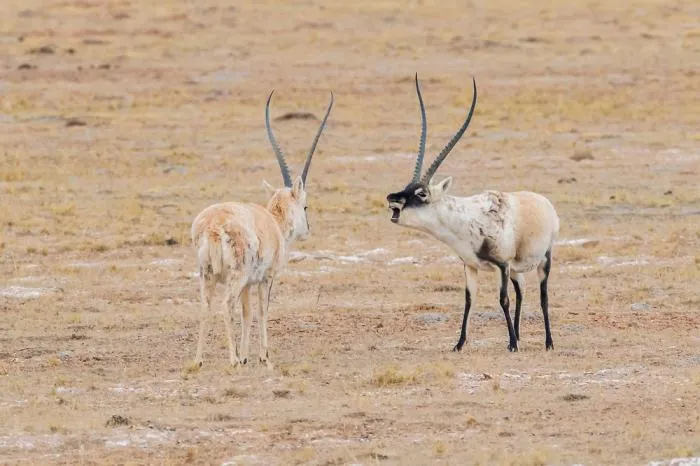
<point>307,164</point>
<point>276,147</point>
<point>423,135</point>
<point>446,150</point>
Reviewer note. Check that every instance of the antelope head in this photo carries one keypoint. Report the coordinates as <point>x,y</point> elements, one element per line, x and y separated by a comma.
<point>410,204</point>
<point>288,204</point>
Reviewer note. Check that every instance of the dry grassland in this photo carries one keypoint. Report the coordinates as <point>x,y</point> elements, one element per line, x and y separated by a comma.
<point>120,120</point>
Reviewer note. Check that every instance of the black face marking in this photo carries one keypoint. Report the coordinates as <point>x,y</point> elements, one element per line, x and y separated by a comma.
<point>414,195</point>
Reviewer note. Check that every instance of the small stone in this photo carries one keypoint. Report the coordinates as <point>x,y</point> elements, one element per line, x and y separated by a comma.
<point>75,122</point>
<point>117,420</point>
<point>580,155</point>
<point>179,169</point>
<point>281,393</point>
<point>296,116</point>
<point>571,397</point>
<point>638,307</point>
<point>94,42</point>
<point>44,49</point>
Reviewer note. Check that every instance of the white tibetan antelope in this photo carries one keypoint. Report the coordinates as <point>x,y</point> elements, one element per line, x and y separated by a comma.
<point>244,245</point>
<point>512,233</point>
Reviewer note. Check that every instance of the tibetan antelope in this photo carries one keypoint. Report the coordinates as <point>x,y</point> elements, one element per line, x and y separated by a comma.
<point>508,232</point>
<point>243,245</point>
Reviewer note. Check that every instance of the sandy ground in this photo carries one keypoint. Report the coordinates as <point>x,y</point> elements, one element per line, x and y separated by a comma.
<point>120,121</point>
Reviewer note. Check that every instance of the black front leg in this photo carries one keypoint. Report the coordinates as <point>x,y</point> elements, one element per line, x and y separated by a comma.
<point>505,303</point>
<point>543,270</point>
<point>465,319</point>
<point>518,305</point>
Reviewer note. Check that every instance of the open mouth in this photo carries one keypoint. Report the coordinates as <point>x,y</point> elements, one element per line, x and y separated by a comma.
<point>395,214</point>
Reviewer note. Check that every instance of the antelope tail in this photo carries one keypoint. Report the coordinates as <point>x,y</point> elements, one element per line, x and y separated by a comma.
<point>210,254</point>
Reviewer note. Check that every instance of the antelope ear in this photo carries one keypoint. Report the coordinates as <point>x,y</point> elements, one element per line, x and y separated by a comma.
<point>298,188</point>
<point>438,189</point>
<point>268,188</point>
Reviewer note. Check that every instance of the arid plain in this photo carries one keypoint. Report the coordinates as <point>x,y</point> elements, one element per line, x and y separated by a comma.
<point>121,120</point>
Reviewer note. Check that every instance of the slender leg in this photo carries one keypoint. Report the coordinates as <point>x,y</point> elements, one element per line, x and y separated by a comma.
<point>469,296</point>
<point>233,293</point>
<point>505,303</point>
<point>264,290</point>
<point>518,281</point>
<point>246,320</point>
<point>543,274</point>
<point>206,291</point>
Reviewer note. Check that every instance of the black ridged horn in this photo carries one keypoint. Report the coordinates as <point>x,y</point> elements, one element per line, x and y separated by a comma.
<point>276,147</point>
<point>307,164</point>
<point>446,150</point>
<point>423,135</point>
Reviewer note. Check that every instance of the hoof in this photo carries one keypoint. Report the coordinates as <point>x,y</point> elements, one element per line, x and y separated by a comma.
<point>513,348</point>
<point>267,363</point>
<point>549,346</point>
<point>238,363</point>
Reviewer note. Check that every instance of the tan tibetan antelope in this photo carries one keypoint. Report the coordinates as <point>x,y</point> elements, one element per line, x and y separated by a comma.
<point>512,233</point>
<point>244,245</point>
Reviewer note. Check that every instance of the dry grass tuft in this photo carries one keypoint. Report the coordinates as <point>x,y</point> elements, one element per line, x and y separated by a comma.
<point>191,368</point>
<point>304,456</point>
<point>236,393</point>
<point>439,448</point>
<point>392,377</point>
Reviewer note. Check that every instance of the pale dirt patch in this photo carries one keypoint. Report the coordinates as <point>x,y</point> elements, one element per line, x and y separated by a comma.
<point>24,292</point>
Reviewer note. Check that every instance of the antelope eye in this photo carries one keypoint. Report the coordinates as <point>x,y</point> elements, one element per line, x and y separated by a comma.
<point>422,194</point>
